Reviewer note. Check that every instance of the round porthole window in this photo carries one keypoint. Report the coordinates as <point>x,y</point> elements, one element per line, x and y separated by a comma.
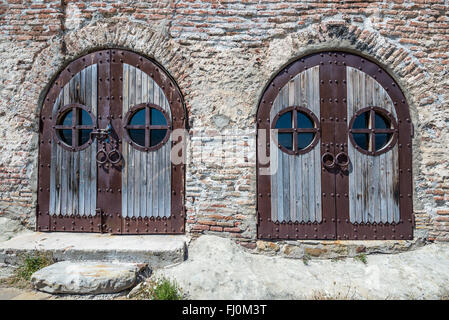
<point>297,130</point>
<point>147,127</point>
<point>373,131</point>
<point>73,126</point>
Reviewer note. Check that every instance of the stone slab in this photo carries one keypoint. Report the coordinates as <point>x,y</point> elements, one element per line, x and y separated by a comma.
<point>155,250</point>
<point>85,277</point>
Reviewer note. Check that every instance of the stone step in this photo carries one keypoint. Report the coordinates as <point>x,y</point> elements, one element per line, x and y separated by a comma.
<point>87,277</point>
<point>155,250</point>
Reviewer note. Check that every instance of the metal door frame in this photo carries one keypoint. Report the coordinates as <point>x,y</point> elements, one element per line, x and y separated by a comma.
<point>335,223</point>
<point>110,84</point>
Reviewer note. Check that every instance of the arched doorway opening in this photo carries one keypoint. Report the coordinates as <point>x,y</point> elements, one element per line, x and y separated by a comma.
<point>105,142</point>
<point>337,160</point>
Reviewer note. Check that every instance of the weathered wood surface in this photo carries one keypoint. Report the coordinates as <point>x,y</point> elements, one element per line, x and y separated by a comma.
<point>73,175</point>
<point>296,187</point>
<point>373,180</point>
<point>146,176</point>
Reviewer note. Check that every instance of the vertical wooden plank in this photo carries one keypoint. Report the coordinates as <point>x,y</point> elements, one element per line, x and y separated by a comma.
<point>144,87</point>
<point>168,174</point>
<point>151,90</point>
<point>93,164</point>
<point>136,90</point>
<point>58,181</point>
<point>54,169</point>
<point>395,183</point>
<point>152,195</point>
<point>76,182</point>
<point>160,165</point>
<point>279,175</point>
<point>132,151</point>
<point>81,154</point>
<point>138,87</point>
<point>90,191</point>
<point>85,155</point>
<point>131,162</point>
<point>64,172</point>
<point>132,86</point>
<point>149,163</point>
<point>305,160</point>
<point>274,152</point>
<point>83,188</point>
<point>285,165</point>
<point>317,151</point>
<point>370,179</point>
<point>298,160</point>
<point>168,177</point>
<point>353,101</point>
<point>310,102</point>
<point>292,160</point>
<point>75,157</point>
<point>164,181</point>
<point>350,102</point>
<point>154,182</point>
<point>143,182</point>
<point>136,182</point>
<point>383,188</point>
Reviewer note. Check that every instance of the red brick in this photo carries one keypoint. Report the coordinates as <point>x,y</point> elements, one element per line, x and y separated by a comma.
<point>232,229</point>
<point>200,227</point>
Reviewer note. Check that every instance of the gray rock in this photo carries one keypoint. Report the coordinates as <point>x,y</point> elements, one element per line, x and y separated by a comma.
<point>85,277</point>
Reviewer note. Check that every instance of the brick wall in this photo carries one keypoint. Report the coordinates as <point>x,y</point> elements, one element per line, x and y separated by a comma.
<point>222,54</point>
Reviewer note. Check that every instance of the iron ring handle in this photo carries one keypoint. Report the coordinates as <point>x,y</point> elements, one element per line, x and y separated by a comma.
<point>105,157</point>
<point>342,159</point>
<point>327,156</point>
<point>114,152</point>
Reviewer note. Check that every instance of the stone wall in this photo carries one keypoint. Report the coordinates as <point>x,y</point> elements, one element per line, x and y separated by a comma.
<point>222,54</point>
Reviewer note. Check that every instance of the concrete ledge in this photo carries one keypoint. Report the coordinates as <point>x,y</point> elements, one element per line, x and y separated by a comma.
<point>156,250</point>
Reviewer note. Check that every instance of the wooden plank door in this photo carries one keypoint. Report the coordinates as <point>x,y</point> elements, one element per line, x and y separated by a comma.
<point>298,202</point>
<point>92,176</point>
<point>355,183</point>
<point>151,109</point>
<point>378,139</point>
<point>69,178</point>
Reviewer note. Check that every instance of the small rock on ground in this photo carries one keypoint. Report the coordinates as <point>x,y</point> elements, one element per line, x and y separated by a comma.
<point>85,277</point>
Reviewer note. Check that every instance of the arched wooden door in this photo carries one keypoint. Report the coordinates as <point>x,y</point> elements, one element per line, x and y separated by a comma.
<point>337,163</point>
<point>105,162</point>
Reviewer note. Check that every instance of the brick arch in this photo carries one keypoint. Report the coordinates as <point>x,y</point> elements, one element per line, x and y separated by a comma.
<point>135,37</point>
<point>397,61</point>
